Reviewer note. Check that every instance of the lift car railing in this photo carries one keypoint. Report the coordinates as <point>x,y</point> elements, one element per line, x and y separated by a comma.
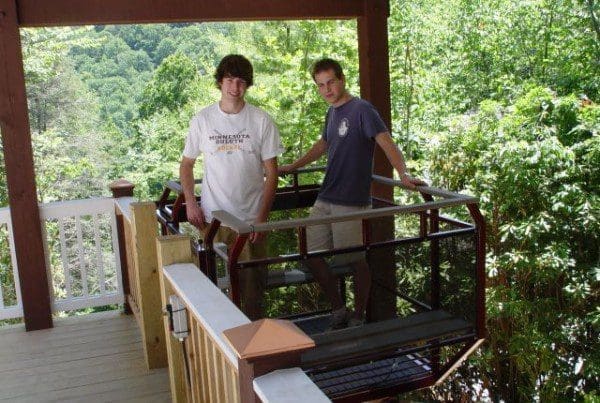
<point>430,208</point>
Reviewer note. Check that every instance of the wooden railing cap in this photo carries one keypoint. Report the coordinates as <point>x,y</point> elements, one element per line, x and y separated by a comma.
<point>267,337</point>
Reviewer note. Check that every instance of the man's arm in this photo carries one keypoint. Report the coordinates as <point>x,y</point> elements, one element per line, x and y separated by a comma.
<point>268,195</point>
<point>311,155</point>
<point>394,155</point>
<point>195,215</point>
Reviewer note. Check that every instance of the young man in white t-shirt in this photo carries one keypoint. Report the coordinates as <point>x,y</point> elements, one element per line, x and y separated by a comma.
<point>240,145</point>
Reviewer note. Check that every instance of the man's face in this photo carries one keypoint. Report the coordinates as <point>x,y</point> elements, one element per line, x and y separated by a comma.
<point>233,88</point>
<point>330,87</point>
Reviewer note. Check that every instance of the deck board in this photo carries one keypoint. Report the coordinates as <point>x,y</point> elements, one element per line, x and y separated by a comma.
<point>96,357</point>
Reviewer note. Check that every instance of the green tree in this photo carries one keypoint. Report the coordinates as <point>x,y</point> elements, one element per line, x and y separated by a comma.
<point>171,86</point>
<point>543,218</point>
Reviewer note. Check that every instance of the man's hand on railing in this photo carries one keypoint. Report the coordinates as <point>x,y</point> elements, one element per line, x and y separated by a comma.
<point>285,169</point>
<point>195,215</point>
<point>411,182</point>
<point>258,237</point>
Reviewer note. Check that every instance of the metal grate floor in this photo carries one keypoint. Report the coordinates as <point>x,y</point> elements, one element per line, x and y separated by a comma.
<point>372,375</point>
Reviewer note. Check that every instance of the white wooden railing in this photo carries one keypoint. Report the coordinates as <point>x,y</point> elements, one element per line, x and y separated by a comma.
<point>213,365</point>
<point>81,247</point>
<point>10,291</point>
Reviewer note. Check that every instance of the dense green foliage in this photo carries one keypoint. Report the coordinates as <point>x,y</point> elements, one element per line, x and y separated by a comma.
<point>497,98</point>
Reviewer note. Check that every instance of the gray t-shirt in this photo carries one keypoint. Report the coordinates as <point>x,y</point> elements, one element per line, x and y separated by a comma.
<point>350,131</point>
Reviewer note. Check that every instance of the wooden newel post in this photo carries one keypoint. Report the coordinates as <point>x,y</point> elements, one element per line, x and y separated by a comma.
<point>173,249</point>
<point>122,188</point>
<point>264,346</point>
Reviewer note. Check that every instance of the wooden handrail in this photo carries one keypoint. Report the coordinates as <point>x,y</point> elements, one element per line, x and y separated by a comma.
<point>213,365</point>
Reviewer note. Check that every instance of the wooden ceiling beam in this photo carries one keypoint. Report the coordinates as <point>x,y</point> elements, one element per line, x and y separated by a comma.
<point>35,13</point>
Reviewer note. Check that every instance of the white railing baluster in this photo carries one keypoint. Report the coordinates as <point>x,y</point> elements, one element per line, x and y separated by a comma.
<point>99,255</point>
<point>15,267</point>
<point>11,311</point>
<point>1,298</point>
<point>63,256</point>
<point>80,251</point>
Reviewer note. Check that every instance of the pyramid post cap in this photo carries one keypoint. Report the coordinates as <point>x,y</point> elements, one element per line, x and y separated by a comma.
<point>267,337</point>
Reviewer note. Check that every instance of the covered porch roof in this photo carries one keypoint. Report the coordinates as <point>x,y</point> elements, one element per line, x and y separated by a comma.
<point>372,27</point>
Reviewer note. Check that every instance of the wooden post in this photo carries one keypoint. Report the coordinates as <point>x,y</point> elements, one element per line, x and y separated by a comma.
<point>122,188</point>
<point>20,175</point>
<point>144,230</point>
<point>264,346</point>
<point>173,249</point>
<point>375,87</point>
<point>375,76</point>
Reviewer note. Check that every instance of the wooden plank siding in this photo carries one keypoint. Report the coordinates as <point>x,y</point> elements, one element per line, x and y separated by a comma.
<point>97,357</point>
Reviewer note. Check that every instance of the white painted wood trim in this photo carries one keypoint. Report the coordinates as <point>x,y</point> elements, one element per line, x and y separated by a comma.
<point>87,302</point>
<point>99,256</point>
<point>290,385</point>
<point>14,311</point>
<point>73,208</point>
<point>122,204</point>
<point>4,215</point>
<point>82,265</point>
<point>11,312</point>
<point>63,256</point>
<point>58,211</point>
<point>213,309</point>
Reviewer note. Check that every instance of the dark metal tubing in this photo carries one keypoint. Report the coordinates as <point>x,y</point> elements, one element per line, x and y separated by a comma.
<point>234,279</point>
<point>451,233</point>
<point>358,248</point>
<point>209,259</point>
<point>480,263</point>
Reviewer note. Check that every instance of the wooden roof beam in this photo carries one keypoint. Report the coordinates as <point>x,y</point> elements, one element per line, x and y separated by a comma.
<point>35,13</point>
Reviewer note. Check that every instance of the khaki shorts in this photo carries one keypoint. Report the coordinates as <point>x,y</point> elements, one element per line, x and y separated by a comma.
<point>335,235</point>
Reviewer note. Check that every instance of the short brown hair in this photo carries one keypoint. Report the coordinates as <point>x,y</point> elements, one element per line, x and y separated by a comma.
<point>327,64</point>
<point>234,66</point>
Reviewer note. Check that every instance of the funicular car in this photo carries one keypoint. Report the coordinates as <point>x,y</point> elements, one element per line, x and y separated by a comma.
<point>427,308</point>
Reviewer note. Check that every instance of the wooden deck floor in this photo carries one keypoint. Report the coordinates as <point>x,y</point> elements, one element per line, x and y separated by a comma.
<point>92,358</point>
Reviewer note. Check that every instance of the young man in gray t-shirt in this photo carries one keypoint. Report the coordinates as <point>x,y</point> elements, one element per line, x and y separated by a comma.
<point>352,127</point>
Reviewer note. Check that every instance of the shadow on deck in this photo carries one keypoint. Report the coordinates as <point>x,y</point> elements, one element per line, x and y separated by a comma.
<point>93,358</point>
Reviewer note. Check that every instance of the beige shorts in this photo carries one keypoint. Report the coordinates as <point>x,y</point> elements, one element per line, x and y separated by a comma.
<point>335,235</point>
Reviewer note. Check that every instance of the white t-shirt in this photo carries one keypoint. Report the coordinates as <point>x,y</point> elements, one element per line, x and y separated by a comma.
<point>234,147</point>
